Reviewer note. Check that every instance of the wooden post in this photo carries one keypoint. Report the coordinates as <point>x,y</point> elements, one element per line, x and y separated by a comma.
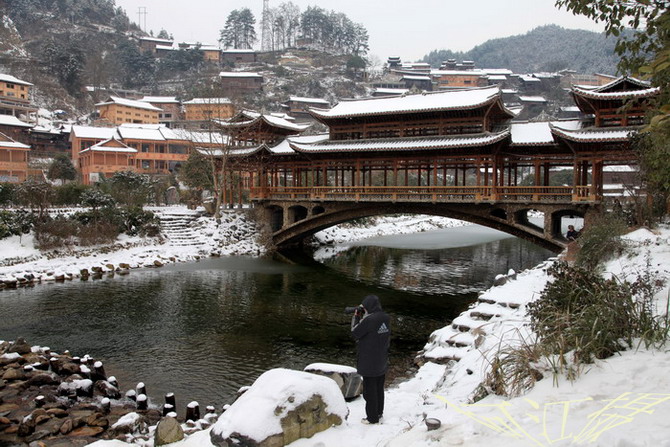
<point>105,404</point>
<point>193,411</point>
<point>99,371</point>
<point>142,402</point>
<point>132,395</point>
<point>141,388</point>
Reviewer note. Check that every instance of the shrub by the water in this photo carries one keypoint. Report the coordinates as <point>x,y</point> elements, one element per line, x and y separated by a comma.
<point>601,241</point>
<point>593,317</point>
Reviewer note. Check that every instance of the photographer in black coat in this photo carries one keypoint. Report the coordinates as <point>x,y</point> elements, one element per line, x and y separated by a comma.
<point>370,326</point>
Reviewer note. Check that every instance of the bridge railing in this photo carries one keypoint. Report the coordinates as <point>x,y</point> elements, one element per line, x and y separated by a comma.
<point>445,194</point>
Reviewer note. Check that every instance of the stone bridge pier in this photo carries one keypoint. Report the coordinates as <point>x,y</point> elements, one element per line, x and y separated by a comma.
<point>291,222</point>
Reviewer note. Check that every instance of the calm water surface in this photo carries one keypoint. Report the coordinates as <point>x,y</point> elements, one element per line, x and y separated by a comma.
<point>203,330</point>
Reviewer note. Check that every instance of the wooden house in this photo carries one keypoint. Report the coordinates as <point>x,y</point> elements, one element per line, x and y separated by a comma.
<point>116,111</point>
<point>160,151</point>
<point>170,108</point>
<point>239,82</point>
<point>13,160</point>
<point>238,56</point>
<point>204,109</point>
<point>103,159</point>
<point>14,128</point>
<point>298,107</point>
<point>151,44</point>
<point>15,96</point>
<point>454,79</point>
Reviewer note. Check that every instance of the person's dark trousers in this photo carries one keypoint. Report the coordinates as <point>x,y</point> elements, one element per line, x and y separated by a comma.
<point>373,393</point>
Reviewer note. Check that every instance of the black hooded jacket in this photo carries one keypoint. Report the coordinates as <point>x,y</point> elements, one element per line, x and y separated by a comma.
<point>373,335</point>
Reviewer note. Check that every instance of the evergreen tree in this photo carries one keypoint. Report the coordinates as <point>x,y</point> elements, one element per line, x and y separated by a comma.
<point>239,30</point>
<point>61,168</point>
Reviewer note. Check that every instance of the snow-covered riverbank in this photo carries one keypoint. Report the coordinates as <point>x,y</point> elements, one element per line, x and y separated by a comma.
<point>622,401</point>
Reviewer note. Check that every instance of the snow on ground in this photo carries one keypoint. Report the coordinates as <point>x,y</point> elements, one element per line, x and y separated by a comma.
<point>203,237</point>
<point>622,401</point>
<point>333,240</point>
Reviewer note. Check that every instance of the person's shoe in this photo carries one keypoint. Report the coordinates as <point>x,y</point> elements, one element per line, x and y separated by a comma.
<point>381,417</point>
<point>366,422</point>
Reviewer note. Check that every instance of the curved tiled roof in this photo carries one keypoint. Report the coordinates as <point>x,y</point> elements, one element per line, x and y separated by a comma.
<point>425,102</point>
<point>595,134</point>
<point>629,94</point>
<point>402,144</point>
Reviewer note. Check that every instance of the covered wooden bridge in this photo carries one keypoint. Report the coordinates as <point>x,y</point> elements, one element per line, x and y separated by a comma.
<point>453,153</point>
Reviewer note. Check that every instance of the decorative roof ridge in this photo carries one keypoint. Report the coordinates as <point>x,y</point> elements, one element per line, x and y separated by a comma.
<point>496,136</point>
<point>495,90</point>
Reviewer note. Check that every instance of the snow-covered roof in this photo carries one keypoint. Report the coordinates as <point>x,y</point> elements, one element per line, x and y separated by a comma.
<point>208,101</point>
<point>11,120</point>
<point>529,78</point>
<point>477,73</point>
<point>239,74</point>
<point>161,99</point>
<point>13,80</point>
<point>539,133</point>
<point>151,132</point>
<point>392,91</point>
<point>416,78</point>
<point>98,133</point>
<point>309,100</point>
<point>165,47</point>
<point>497,78</point>
<point>595,134</point>
<point>497,71</point>
<point>426,102</point>
<point>8,142</point>
<point>532,99</point>
<point>204,138</point>
<point>531,134</point>
<point>284,147</point>
<point>238,50</point>
<point>629,94</point>
<point>156,39</point>
<point>110,145</point>
<point>401,144</point>
<point>129,103</point>
<point>250,117</point>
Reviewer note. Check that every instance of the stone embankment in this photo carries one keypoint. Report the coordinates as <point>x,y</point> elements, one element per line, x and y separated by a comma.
<point>59,400</point>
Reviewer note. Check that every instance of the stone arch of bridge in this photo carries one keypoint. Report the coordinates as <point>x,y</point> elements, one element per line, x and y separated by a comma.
<point>512,219</point>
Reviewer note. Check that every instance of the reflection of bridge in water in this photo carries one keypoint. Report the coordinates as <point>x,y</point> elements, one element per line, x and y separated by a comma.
<point>457,154</point>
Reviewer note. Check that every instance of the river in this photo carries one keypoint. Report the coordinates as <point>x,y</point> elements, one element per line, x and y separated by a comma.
<point>202,330</point>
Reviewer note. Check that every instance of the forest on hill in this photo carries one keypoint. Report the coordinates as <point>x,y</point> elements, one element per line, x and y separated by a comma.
<point>547,48</point>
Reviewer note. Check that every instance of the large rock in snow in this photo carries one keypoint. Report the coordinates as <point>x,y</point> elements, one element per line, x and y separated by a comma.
<point>346,377</point>
<point>280,407</point>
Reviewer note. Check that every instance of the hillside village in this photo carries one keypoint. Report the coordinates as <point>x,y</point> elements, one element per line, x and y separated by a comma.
<point>157,133</point>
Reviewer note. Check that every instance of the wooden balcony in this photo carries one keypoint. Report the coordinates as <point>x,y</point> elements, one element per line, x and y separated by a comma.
<point>431,194</point>
<point>14,165</point>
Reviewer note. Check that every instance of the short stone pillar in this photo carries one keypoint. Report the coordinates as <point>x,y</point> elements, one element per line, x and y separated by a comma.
<point>346,377</point>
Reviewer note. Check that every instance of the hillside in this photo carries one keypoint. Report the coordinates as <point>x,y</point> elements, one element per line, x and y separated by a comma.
<point>547,48</point>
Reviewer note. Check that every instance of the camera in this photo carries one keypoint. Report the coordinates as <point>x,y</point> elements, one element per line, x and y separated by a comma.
<point>354,310</point>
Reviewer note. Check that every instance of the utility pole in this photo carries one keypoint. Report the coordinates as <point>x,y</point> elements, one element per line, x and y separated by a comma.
<point>142,11</point>
<point>266,28</point>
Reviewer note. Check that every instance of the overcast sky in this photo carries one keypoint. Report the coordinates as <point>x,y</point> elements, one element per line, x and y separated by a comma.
<point>405,28</point>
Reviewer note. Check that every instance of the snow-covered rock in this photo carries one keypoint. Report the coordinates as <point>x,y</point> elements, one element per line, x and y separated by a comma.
<point>281,406</point>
